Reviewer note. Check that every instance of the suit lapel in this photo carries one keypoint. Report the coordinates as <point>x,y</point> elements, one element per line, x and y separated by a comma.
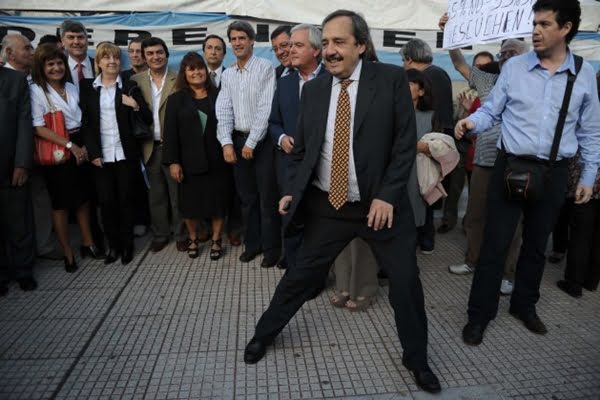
<point>295,90</point>
<point>364,96</point>
<point>322,103</point>
<point>167,88</point>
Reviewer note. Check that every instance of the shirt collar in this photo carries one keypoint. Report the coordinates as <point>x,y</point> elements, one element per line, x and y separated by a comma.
<point>216,71</point>
<point>164,77</point>
<point>355,74</point>
<point>98,82</point>
<point>533,61</point>
<point>313,74</point>
<point>86,63</point>
<point>248,65</point>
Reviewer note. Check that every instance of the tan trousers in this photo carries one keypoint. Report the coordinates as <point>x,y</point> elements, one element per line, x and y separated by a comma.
<point>355,270</point>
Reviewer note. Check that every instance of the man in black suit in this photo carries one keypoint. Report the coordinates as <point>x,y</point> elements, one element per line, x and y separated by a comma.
<point>17,244</point>
<point>280,40</point>
<point>339,191</point>
<point>75,41</point>
<point>136,59</point>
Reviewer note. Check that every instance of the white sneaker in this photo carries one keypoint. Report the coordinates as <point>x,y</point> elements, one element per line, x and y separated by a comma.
<point>140,230</point>
<point>507,287</point>
<point>460,269</point>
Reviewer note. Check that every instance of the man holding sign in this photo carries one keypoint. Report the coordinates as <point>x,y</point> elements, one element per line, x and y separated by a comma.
<point>526,100</point>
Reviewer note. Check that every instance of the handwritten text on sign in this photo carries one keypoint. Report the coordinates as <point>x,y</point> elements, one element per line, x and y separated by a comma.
<point>480,21</point>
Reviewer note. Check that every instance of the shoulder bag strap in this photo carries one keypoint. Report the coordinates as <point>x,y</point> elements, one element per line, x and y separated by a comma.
<point>562,116</point>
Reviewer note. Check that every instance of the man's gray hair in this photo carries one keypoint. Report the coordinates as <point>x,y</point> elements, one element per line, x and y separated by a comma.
<point>418,51</point>
<point>9,41</point>
<point>514,44</point>
<point>69,25</point>
<point>314,34</point>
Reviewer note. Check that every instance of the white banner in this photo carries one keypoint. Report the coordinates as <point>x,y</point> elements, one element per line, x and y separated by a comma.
<point>482,21</point>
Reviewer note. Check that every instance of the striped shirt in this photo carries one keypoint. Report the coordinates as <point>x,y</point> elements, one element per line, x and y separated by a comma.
<point>485,149</point>
<point>244,102</point>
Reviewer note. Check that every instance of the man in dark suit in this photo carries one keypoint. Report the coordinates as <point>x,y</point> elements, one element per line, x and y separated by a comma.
<point>75,41</point>
<point>280,40</point>
<point>17,244</point>
<point>305,59</point>
<point>339,191</point>
<point>136,59</point>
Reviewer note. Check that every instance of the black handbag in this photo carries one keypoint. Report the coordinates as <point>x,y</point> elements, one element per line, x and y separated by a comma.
<point>140,130</point>
<point>525,176</point>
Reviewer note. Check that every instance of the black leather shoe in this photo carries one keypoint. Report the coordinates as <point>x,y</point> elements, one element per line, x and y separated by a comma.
<point>282,264</point>
<point>532,322</point>
<point>247,256</point>
<point>269,262</point>
<point>426,379</point>
<point>70,267</point>
<point>27,284</point>
<point>445,228</point>
<point>112,256</point>
<point>472,333</point>
<point>91,251</point>
<point>127,255</point>
<point>255,351</point>
<point>569,288</point>
<point>3,288</point>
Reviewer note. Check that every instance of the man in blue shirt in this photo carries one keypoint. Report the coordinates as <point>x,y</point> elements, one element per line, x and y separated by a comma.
<point>526,100</point>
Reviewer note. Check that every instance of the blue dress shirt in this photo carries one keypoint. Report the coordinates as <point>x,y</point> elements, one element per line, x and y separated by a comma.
<point>527,99</point>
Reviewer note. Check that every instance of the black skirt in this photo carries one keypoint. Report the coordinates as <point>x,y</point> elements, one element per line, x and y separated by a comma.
<point>69,185</point>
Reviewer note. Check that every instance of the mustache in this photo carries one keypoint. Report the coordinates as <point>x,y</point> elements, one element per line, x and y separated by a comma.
<point>334,57</point>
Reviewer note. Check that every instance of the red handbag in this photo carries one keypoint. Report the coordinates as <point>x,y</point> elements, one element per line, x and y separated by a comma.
<point>46,152</point>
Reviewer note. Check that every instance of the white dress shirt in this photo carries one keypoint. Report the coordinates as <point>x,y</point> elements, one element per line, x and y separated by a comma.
<point>244,102</point>
<point>156,95</point>
<point>218,72</point>
<point>88,71</point>
<point>70,108</point>
<point>112,149</point>
<point>323,178</point>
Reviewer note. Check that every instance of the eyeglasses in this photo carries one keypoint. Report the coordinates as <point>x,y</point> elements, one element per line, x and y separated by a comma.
<point>283,46</point>
<point>506,54</point>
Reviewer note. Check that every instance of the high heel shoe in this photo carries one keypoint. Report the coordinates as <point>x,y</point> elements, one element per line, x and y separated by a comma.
<point>70,267</point>
<point>111,256</point>
<point>91,251</point>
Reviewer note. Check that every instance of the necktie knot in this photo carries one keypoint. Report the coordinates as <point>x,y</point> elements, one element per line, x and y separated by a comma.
<point>345,83</point>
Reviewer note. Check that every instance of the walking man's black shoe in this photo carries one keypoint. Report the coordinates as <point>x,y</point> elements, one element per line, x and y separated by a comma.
<point>472,333</point>
<point>426,379</point>
<point>255,351</point>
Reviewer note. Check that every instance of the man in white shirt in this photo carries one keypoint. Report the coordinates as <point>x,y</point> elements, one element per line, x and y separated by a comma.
<point>242,109</point>
<point>75,41</point>
<point>214,50</point>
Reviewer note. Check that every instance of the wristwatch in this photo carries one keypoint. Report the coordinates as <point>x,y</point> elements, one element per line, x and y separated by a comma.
<point>69,145</point>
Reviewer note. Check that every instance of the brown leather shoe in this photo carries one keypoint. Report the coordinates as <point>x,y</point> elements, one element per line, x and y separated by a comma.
<point>158,245</point>
<point>182,245</point>
<point>235,240</point>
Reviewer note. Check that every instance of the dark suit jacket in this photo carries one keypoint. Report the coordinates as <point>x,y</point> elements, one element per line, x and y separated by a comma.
<point>68,70</point>
<point>184,140</point>
<point>279,70</point>
<point>89,101</point>
<point>16,132</point>
<point>384,141</point>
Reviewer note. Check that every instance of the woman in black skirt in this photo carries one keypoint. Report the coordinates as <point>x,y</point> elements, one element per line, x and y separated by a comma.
<point>68,183</point>
<point>194,155</point>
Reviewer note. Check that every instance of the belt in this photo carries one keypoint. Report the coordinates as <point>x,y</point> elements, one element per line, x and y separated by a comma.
<point>74,131</point>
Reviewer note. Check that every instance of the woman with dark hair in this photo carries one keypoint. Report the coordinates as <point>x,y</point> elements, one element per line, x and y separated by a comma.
<point>67,183</point>
<point>108,106</point>
<point>194,155</point>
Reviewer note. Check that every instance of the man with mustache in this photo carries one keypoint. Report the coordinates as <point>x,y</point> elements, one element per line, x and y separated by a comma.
<point>354,149</point>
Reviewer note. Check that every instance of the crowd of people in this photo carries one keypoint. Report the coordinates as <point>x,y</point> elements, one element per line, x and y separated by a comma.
<point>330,159</point>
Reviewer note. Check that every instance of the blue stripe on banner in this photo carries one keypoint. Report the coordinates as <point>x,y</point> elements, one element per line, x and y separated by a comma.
<point>133,19</point>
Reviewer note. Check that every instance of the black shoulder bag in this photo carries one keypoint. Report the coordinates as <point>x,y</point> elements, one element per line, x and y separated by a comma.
<point>140,130</point>
<point>525,176</point>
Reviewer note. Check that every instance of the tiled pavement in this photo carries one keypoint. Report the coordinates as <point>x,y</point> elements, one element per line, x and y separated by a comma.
<point>167,327</point>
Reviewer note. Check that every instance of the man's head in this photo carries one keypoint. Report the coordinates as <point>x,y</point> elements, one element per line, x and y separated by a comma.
<point>482,58</point>
<point>134,51</point>
<point>280,40</point>
<point>74,38</point>
<point>52,39</point>
<point>555,23</point>
<point>214,50</point>
<point>511,48</point>
<point>18,51</point>
<point>155,53</point>
<point>344,41</point>
<point>416,53</point>
<point>305,50</point>
<point>241,35</point>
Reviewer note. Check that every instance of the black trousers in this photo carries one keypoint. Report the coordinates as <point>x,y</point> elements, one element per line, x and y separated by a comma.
<point>17,238</point>
<point>560,234</point>
<point>256,186</point>
<point>326,233</point>
<point>115,185</point>
<point>501,222</point>
<point>583,257</point>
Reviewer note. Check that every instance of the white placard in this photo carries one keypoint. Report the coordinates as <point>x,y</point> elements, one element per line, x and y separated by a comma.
<point>482,21</point>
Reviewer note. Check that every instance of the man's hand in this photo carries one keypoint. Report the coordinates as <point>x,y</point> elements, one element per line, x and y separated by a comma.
<point>380,214</point>
<point>583,194</point>
<point>443,21</point>
<point>287,144</point>
<point>176,172</point>
<point>284,204</point>
<point>97,162</point>
<point>247,153</point>
<point>229,154</point>
<point>423,147</point>
<point>20,176</point>
<point>462,127</point>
